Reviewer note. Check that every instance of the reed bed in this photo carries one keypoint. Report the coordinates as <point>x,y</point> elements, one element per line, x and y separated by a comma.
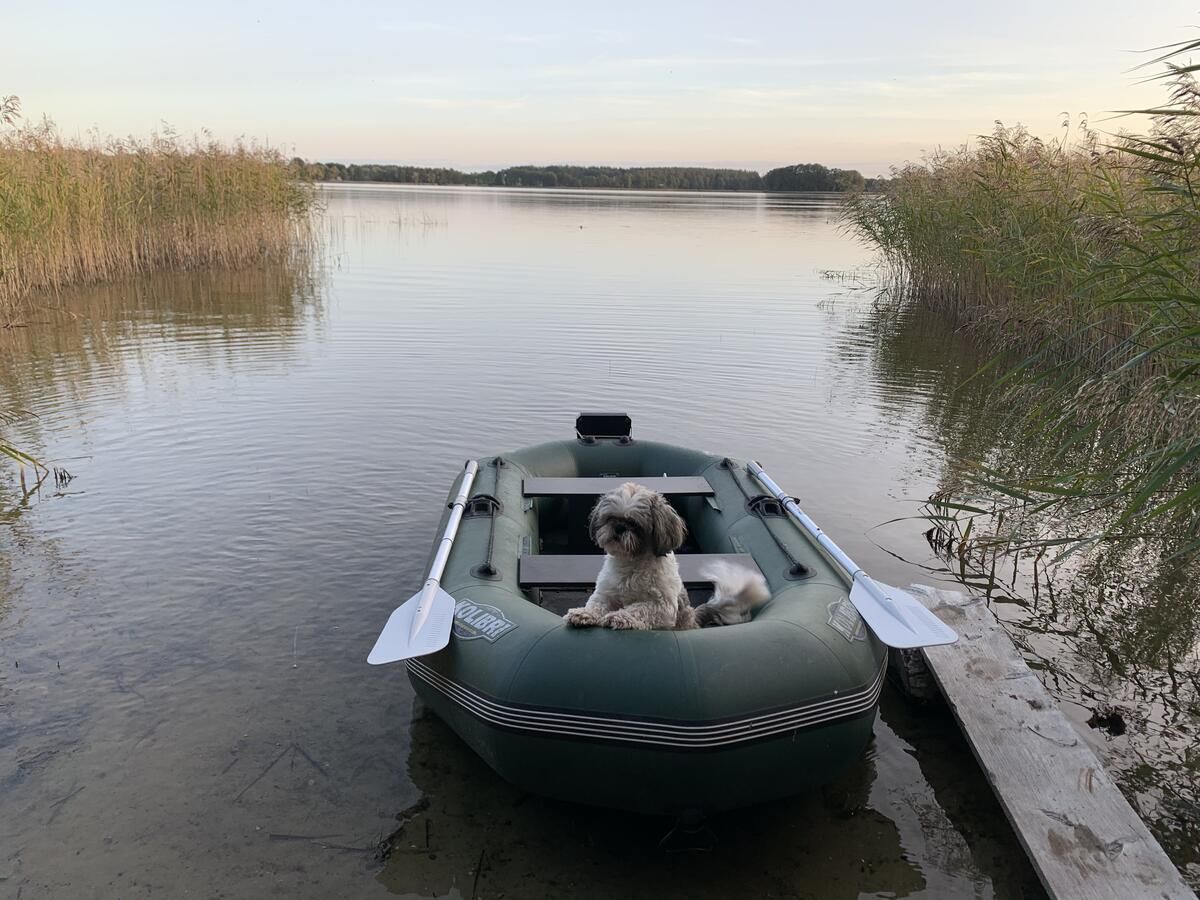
<point>74,213</point>
<point>1081,257</point>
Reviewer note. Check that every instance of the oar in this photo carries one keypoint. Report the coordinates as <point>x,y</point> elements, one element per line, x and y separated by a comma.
<point>421,624</point>
<point>897,618</point>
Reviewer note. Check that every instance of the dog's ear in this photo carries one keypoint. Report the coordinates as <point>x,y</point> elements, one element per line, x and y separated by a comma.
<point>594,521</point>
<point>669,530</point>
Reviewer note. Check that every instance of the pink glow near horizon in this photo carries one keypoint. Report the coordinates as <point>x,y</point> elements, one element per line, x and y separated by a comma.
<point>484,86</point>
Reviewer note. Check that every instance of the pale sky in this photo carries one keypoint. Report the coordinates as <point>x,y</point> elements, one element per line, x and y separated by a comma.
<point>858,85</point>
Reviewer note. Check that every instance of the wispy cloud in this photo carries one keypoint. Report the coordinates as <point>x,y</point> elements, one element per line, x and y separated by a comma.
<point>628,100</point>
<point>527,38</point>
<point>428,102</point>
<point>464,104</point>
<point>910,87</point>
<point>610,37</point>
<point>769,95</point>
<point>415,27</point>
<point>604,66</point>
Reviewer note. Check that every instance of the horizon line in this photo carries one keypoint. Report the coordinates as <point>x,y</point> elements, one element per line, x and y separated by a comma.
<point>476,168</point>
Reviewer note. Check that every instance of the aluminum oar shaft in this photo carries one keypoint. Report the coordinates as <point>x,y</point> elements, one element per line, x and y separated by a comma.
<point>433,582</point>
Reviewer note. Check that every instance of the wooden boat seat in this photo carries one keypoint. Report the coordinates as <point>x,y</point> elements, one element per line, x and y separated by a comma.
<point>691,485</point>
<point>561,570</point>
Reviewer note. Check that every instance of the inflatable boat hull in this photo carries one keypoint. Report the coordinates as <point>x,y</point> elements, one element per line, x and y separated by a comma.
<point>652,721</point>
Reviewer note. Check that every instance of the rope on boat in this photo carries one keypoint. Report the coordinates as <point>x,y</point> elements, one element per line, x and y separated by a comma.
<point>754,503</point>
<point>488,505</point>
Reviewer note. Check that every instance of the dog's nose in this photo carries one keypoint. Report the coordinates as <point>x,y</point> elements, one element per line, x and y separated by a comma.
<point>619,529</point>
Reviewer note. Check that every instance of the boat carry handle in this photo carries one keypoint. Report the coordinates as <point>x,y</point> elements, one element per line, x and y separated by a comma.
<point>591,426</point>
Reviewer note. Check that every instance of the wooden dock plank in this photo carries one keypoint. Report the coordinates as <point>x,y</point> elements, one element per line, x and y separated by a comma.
<point>1081,834</point>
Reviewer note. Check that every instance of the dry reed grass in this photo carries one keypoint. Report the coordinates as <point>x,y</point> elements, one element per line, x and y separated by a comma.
<point>1083,256</point>
<point>76,213</point>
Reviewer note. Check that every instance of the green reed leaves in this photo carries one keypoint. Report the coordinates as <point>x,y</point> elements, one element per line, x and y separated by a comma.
<point>1078,261</point>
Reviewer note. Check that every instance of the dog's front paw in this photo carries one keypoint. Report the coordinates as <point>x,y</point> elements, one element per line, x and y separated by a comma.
<point>622,621</point>
<point>581,617</point>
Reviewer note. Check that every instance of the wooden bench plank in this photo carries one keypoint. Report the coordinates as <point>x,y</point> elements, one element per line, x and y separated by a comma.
<point>692,485</point>
<point>1081,834</point>
<point>564,569</point>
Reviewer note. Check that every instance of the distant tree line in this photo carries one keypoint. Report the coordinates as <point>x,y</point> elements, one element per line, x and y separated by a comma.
<point>813,177</point>
<point>802,177</point>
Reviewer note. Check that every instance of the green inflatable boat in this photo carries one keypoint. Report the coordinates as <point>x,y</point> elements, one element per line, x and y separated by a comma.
<point>660,722</point>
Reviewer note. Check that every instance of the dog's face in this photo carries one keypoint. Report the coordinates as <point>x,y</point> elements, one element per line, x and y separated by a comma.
<point>634,521</point>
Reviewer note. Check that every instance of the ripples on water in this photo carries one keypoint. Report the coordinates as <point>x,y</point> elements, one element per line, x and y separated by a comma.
<point>1114,631</point>
<point>260,458</point>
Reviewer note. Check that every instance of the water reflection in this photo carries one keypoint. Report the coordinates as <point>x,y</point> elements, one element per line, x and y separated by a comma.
<point>260,460</point>
<point>870,833</point>
<point>1114,632</point>
<point>88,345</point>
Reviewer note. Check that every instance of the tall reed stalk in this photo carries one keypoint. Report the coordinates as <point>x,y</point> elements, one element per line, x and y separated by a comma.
<point>74,213</point>
<point>1083,255</point>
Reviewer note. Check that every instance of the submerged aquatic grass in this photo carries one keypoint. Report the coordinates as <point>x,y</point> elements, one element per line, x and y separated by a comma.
<point>74,213</point>
<point>1079,258</point>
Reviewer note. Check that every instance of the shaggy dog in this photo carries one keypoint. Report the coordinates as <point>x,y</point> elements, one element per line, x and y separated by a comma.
<point>639,585</point>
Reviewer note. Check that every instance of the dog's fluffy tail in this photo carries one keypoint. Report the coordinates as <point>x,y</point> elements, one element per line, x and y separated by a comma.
<point>738,593</point>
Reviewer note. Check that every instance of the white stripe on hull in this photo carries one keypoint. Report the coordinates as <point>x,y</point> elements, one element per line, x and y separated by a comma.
<point>642,731</point>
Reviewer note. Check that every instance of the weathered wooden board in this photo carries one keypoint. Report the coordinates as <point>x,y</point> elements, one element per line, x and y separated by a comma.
<point>1083,837</point>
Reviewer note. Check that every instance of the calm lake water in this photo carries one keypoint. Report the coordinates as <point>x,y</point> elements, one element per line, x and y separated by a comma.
<point>259,460</point>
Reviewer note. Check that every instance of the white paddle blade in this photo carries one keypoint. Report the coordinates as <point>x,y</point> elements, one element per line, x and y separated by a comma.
<point>897,617</point>
<point>397,641</point>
